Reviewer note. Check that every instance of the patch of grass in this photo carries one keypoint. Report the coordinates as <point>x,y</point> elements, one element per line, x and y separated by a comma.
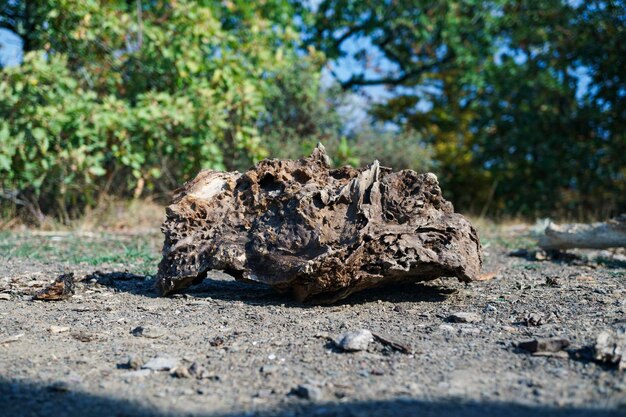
<point>138,254</point>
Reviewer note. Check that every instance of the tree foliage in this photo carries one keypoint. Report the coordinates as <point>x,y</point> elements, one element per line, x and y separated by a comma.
<point>517,105</point>
<point>522,101</point>
<point>132,96</point>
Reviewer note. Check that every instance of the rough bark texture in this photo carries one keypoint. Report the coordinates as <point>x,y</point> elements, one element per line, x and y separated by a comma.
<point>610,234</point>
<point>317,232</point>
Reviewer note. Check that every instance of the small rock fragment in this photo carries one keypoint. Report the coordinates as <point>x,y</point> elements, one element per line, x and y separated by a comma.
<point>308,392</point>
<point>268,369</point>
<point>5,296</point>
<point>11,339</point>
<point>83,336</point>
<point>553,344</point>
<point>610,348</point>
<point>553,282</point>
<point>180,372</point>
<point>216,341</point>
<point>510,329</point>
<point>58,329</point>
<point>355,341</point>
<point>200,372</point>
<point>161,363</point>
<point>134,362</point>
<point>264,393</point>
<point>490,308</point>
<point>61,289</point>
<point>464,317</point>
<point>533,319</point>
<point>149,332</point>
<point>392,343</point>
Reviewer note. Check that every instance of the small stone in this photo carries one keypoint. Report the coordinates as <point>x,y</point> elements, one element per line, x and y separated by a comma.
<point>264,393</point>
<point>308,392</point>
<point>5,296</point>
<point>464,317</point>
<point>490,308</point>
<point>83,336</point>
<point>199,372</point>
<point>355,341</point>
<point>553,344</point>
<point>610,348</point>
<point>161,363</point>
<point>216,341</point>
<point>510,329</point>
<point>268,369</point>
<point>180,372</point>
<point>134,362</point>
<point>553,281</point>
<point>11,339</point>
<point>58,329</point>
<point>533,319</point>
<point>149,332</point>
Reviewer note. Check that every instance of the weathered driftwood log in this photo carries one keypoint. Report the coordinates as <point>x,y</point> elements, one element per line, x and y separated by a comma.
<point>317,232</point>
<point>610,234</point>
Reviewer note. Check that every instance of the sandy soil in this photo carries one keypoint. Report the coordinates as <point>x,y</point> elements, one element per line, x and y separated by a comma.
<point>253,352</point>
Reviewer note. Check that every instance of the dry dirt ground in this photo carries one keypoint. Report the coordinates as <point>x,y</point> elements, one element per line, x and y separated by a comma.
<point>253,352</point>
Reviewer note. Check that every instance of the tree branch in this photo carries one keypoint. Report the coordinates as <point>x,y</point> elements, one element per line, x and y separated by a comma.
<point>360,81</point>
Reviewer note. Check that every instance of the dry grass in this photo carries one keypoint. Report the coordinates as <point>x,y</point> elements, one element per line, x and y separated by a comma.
<point>110,215</point>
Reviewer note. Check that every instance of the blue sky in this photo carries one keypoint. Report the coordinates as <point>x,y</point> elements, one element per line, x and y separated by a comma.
<point>10,48</point>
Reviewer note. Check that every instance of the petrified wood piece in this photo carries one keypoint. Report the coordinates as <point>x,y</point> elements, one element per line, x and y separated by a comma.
<point>317,232</point>
<point>610,234</point>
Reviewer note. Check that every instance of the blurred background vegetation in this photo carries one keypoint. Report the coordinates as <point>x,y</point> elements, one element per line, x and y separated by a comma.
<point>519,106</point>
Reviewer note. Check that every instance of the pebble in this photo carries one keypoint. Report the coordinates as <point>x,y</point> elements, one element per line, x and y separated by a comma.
<point>490,308</point>
<point>268,369</point>
<point>553,344</point>
<point>355,341</point>
<point>464,317</point>
<point>11,339</point>
<point>264,393</point>
<point>5,296</point>
<point>149,332</point>
<point>180,372</point>
<point>533,319</point>
<point>58,329</point>
<point>134,362</point>
<point>510,329</point>
<point>308,392</point>
<point>161,363</point>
